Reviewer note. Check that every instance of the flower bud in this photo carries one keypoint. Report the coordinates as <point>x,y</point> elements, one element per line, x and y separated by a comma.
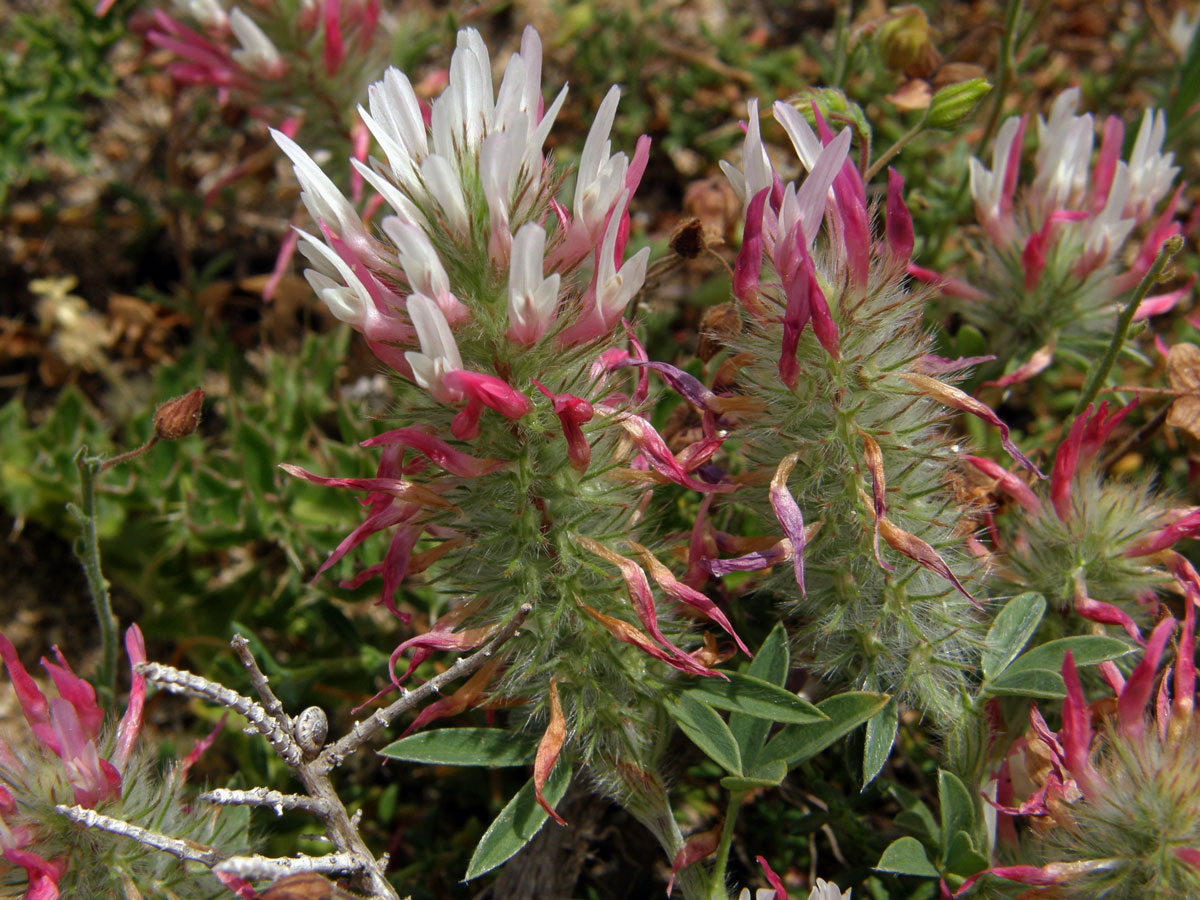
<point>955,102</point>
<point>179,417</point>
<point>833,105</point>
<point>905,43</point>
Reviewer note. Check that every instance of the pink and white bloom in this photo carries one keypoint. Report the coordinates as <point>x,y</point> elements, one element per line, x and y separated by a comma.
<point>256,54</point>
<point>438,355</point>
<point>532,297</point>
<point>1151,171</point>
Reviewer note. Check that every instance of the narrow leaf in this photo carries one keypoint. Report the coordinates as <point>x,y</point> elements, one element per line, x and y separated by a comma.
<point>847,711</point>
<point>767,775</point>
<point>906,856</point>
<point>758,698</point>
<point>1013,627</point>
<point>958,810</point>
<point>463,747</point>
<point>708,731</point>
<point>1087,649</point>
<point>1028,683</point>
<point>517,823</point>
<point>881,734</point>
<point>770,664</point>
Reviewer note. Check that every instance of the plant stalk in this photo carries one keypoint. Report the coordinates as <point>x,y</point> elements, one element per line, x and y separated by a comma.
<point>89,554</point>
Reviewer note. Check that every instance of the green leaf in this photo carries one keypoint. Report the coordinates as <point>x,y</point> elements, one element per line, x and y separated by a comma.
<point>770,664</point>
<point>708,731</point>
<point>881,734</point>
<point>915,816</point>
<point>962,858</point>
<point>755,697</point>
<point>1013,627</point>
<point>1028,683</point>
<point>906,856</point>
<point>847,711</point>
<point>1087,649</point>
<point>517,823</point>
<point>464,747</point>
<point>958,809</point>
<point>767,775</point>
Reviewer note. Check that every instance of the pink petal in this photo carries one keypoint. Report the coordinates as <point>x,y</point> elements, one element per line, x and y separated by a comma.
<point>697,847</point>
<point>1106,161</point>
<point>791,519</point>
<point>77,692</point>
<point>1104,613</point>
<point>1036,364</point>
<point>199,749</point>
<point>438,452</point>
<point>1161,303</point>
<point>772,879</point>
<point>685,594</point>
<point>899,221</point>
<point>748,265</point>
<point>1008,482</point>
<point>494,393</point>
<point>33,702</point>
<point>131,722</point>
<point>1131,705</point>
<point>334,52</point>
<point>659,456</point>
<point>1076,731</point>
<point>951,287</point>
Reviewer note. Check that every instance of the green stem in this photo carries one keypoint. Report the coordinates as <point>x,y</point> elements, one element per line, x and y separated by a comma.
<point>1007,63</point>
<point>901,143</point>
<point>89,555</point>
<point>1100,370</point>
<point>841,43</point>
<point>717,881</point>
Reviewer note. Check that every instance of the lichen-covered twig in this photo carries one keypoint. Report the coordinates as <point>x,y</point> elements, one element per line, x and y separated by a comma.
<point>260,682</point>
<point>298,742</point>
<point>262,796</point>
<point>364,731</point>
<point>188,683</point>
<point>189,851</point>
<point>263,867</point>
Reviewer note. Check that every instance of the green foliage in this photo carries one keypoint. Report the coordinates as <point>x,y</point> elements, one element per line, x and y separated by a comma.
<point>53,71</point>
<point>518,822</point>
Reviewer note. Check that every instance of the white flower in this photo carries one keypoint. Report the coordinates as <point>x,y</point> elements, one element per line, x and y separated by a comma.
<point>210,14</point>
<point>421,264</point>
<point>1105,232</point>
<point>601,175</point>
<point>758,170</point>
<point>614,289</point>
<point>822,890</point>
<point>1064,153</point>
<point>348,299</point>
<point>257,53</point>
<point>806,205</point>
<point>324,202</point>
<point>439,353</point>
<point>988,187</point>
<point>1182,31</point>
<point>1150,171</point>
<point>531,298</point>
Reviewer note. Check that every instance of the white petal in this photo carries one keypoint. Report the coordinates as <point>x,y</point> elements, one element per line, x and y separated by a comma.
<point>597,148</point>
<point>324,201</point>
<point>418,258</point>
<point>441,181</point>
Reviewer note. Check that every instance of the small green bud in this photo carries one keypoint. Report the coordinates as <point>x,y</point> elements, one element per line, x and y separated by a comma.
<point>953,104</point>
<point>904,41</point>
<point>834,106</point>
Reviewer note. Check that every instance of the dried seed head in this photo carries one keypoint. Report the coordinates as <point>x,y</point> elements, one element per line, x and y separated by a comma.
<point>179,417</point>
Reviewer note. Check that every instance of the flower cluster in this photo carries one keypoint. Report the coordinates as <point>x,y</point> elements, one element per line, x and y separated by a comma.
<point>1054,258</point>
<point>1114,812</point>
<point>521,464</point>
<point>288,63</point>
<point>1087,541</point>
<point>849,429</point>
<point>73,759</point>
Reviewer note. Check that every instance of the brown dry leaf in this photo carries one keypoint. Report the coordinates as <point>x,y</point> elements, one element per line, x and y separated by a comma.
<point>912,95</point>
<point>1183,372</point>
